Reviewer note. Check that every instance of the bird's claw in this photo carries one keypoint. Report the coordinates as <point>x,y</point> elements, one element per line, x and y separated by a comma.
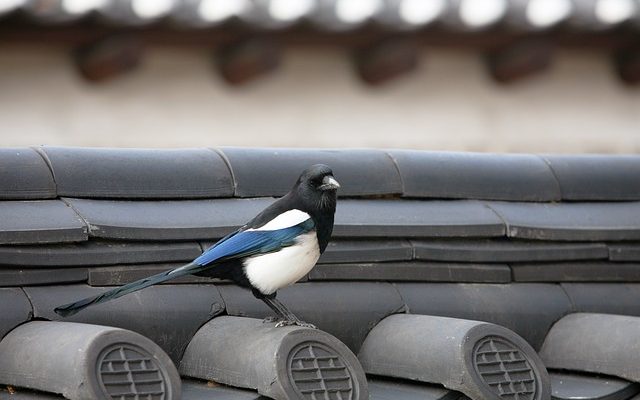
<point>280,322</point>
<point>286,322</point>
<point>306,325</point>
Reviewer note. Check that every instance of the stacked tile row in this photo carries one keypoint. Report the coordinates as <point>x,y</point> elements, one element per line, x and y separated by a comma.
<point>89,214</point>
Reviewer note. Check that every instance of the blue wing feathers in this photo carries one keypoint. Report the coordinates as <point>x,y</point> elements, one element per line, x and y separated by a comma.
<point>247,243</point>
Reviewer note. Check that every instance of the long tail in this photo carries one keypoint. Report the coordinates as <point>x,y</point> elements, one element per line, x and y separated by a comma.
<point>72,308</point>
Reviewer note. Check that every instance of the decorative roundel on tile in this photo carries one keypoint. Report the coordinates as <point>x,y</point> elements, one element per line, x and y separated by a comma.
<point>126,371</point>
<point>505,369</point>
<point>318,372</point>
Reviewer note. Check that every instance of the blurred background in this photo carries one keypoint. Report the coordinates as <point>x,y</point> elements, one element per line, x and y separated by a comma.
<point>551,76</point>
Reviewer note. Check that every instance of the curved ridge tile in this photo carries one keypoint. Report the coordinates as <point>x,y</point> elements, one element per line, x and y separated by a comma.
<point>453,175</point>
<point>82,361</point>
<point>272,172</point>
<point>139,173</point>
<point>24,175</point>
<point>597,177</point>
<point>595,343</point>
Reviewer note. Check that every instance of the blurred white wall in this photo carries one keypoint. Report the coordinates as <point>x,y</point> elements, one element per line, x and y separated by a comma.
<point>176,99</point>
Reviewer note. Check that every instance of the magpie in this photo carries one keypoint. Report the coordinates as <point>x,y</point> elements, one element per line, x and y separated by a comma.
<point>273,250</point>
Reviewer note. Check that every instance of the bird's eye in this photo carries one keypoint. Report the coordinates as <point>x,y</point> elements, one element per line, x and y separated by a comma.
<point>317,181</point>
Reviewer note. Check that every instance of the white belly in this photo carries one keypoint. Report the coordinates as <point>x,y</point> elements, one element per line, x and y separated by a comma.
<point>270,272</point>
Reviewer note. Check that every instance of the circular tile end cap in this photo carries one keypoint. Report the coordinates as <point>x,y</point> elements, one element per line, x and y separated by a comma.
<point>504,366</point>
<point>128,365</point>
<point>316,365</point>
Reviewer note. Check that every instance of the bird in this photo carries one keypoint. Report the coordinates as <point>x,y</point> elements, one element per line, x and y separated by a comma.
<point>273,250</point>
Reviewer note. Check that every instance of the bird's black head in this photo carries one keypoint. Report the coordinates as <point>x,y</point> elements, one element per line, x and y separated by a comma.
<point>317,187</point>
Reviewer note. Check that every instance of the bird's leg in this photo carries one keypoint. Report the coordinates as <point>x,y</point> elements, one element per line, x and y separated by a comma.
<point>287,317</point>
<point>290,318</point>
<point>265,298</point>
<point>279,315</point>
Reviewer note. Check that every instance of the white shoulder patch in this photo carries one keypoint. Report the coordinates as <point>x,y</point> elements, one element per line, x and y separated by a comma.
<point>284,220</point>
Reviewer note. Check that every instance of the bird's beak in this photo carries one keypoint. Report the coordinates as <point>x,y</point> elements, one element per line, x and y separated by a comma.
<point>329,183</point>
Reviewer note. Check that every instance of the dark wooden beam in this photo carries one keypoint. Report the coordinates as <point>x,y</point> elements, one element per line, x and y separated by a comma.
<point>387,60</point>
<point>244,61</point>
<point>627,65</point>
<point>109,57</point>
<point>519,60</point>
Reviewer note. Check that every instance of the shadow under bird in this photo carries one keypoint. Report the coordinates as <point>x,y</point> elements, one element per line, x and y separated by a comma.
<point>273,250</point>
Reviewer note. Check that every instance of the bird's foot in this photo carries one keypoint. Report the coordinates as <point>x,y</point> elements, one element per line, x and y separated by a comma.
<point>294,322</point>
